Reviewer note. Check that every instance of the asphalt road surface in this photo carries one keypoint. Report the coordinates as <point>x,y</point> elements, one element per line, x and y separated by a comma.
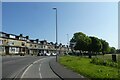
<point>27,67</point>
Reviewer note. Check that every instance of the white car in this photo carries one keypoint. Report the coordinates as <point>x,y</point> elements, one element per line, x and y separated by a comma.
<point>54,54</point>
<point>48,54</point>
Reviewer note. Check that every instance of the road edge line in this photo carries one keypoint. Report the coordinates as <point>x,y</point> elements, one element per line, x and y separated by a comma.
<point>20,72</point>
<point>26,70</point>
<point>55,72</point>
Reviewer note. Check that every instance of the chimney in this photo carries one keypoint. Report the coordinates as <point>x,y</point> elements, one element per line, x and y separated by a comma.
<point>8,35</point>
<point>37,40</point>
<point>27,37</point>
<point>21,35</point>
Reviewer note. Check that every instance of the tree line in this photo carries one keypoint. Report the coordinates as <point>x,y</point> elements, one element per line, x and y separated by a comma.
<point>92,44</point>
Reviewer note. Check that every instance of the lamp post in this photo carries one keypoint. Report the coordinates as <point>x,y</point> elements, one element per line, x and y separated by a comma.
<point>56,32</point>
<point>67,43</point>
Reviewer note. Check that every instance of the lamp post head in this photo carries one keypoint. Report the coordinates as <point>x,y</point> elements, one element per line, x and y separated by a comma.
<point>55,8</point>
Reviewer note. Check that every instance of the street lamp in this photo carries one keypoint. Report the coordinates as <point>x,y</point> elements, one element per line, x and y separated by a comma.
<point>56,32</point>
<point>67,43</point>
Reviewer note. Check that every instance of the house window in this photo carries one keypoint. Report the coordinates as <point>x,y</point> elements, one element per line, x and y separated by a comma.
<point>23,49</point>
<point>1,42</point>
<point>30,45</point>
<point>41,46</point>
<point>23,44</point>
<point>17,50</point>
<point>12,49</point>
<point>0,34</point>
<point>2,49</point>
<point>10,42</point>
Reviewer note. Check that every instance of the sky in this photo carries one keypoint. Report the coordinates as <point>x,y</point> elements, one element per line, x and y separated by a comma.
<point>38,20</point>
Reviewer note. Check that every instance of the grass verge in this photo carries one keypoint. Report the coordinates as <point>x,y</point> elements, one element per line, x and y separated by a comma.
<point>84,67</point>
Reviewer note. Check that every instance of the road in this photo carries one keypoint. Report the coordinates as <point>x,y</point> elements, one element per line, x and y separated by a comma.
<point>27,67</point>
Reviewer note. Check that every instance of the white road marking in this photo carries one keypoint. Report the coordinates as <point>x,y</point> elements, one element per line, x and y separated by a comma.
<point>30,66</point>
<point>40,72</point>
<point>26,70</point>
<point>38,60</point>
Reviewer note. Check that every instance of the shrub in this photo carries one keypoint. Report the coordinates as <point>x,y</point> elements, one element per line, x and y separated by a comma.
<point>70,53</point>
<point>99,61</point>
<point>94,60</point>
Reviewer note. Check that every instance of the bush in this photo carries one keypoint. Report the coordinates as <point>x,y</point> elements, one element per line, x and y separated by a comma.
<point>70,53</point>
<point>94,60</point>
<point>98,61</point>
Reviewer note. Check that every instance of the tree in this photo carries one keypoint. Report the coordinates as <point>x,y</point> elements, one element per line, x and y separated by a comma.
<point>60,45</point>
<point>105,47</point>
<point>51,43</point>
<point>82,41</point>
<point>90,44</point>
<point>77,36</point>
<point>118,50</point>
<point>78,39</point>
<point>96,44</point>
<point>112,50</point>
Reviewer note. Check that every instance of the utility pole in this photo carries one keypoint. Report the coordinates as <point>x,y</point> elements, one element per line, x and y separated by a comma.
<point>56,33</point>
<point>68,42</point>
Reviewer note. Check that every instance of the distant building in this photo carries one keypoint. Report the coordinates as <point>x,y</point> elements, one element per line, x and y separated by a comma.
<point>11,44</point>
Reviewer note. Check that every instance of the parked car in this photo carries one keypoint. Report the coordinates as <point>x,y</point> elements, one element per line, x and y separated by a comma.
<point>48,54</point>
<point>54,54</point>
<point>21,54</point>
<point>40,54</point>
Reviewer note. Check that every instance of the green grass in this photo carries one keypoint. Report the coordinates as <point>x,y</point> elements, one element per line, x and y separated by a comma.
<point>105,62</point>
<point>107,57</point>
<point>87,69</point>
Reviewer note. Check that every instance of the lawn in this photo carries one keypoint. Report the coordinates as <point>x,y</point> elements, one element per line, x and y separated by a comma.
<point>84,67</point>
<point>108,56</point>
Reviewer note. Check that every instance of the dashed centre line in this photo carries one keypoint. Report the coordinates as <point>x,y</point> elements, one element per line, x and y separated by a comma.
<point>32,65</point>
<point>39,71</point>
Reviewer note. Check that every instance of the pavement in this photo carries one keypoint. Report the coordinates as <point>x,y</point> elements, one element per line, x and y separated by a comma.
<point>63,72</point>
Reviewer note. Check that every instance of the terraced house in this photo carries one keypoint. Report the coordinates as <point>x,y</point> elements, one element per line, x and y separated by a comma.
<point>11,44</point>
